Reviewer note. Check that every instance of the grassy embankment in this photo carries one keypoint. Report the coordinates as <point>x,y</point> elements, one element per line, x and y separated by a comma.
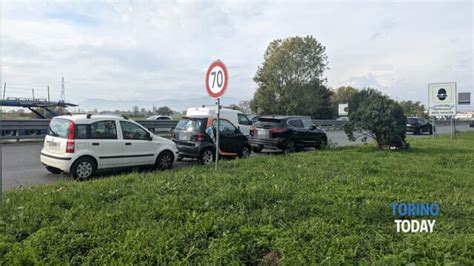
<point>323,206</point>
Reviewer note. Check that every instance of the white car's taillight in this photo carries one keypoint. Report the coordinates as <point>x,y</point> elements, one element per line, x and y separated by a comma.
<point>70,138</point>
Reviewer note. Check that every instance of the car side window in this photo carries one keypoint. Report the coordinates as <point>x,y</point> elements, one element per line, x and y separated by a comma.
<point>104,130</point>
<point>225,126</point>
<point>81,131</point>
<point>243,120</point>
<point>307,123</point>
<point>296,123</point>
<point>132,131</point>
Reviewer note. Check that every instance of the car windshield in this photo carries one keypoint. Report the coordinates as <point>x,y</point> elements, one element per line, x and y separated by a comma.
<point>412,120</point>
<point>189,124</point>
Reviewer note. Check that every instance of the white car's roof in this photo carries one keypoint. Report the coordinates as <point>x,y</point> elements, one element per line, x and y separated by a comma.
<point>83,118</point>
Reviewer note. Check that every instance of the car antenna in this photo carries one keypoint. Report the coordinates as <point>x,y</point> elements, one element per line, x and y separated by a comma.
<point>125,117</point>
<point>89,116</point>
<point>69,114</point>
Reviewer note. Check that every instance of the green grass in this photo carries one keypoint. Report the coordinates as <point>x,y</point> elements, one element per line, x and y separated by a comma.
<point>330,207</point>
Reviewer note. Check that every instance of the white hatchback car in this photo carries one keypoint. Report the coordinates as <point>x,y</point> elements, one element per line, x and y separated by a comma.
<point>82,144</point>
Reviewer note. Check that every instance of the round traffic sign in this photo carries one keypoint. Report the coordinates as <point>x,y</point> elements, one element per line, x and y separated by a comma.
<point>216,79</point>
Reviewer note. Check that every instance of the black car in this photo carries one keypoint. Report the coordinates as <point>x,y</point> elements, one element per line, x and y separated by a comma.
<point>194,138</point>
<point>287,133</point>
<point>471,124</point>
<point>419,125</point>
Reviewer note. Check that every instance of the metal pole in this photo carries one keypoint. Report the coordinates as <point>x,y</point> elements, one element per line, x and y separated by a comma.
<point>48,95</point>
<point>435,130</point>
<point>217,129</point>
<point>33,92</point>
<point>4,89</point>
<point>454,127</point>
<point>451,127</point>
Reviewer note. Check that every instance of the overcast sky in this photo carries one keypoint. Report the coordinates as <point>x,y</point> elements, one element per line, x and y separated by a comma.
<point>158,50</point>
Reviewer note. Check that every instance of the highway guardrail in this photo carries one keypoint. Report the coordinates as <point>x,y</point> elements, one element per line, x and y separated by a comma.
<point>12,129</point>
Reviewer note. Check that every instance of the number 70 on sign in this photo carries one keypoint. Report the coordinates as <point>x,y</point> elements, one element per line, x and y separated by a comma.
<point>216,79</point>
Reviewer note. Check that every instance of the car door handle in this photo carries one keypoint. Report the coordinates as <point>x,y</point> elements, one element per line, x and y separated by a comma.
<point>95,144</point>
<point>128,143</point>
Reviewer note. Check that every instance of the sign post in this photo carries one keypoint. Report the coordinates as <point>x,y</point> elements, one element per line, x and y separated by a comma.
<point>442,102</point>
<point>216,83</point>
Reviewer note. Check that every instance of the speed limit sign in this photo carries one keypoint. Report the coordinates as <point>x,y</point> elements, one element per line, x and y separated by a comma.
<point>216,79</point>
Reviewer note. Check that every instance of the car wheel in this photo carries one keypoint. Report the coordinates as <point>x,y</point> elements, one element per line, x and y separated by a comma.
<point>164,160</point>
<point>290,146</point>
<point>83,168</point>
<point>206,157</point>
<point>257,149</point>
<point>54,170</point>
<point>245,152</point>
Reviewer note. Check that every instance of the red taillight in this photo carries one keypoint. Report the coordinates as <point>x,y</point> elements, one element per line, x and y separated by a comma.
<point>70,138</point>
<point>252,131</point>
<point>278,130</point>
<point>201,137</point>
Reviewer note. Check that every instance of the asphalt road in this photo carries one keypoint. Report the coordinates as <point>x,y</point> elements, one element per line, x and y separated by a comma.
<point>21,164</point>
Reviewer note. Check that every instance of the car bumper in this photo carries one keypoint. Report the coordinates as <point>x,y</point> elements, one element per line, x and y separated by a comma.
<point>60,162</point>
<point>188,151</point>
<point>413,129</point>
<point>267,143</point>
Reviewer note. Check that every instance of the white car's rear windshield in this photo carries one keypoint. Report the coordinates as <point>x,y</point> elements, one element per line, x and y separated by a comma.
<point>58,127</point>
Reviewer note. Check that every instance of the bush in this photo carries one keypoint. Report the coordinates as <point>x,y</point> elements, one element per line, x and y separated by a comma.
<point>379,118</point>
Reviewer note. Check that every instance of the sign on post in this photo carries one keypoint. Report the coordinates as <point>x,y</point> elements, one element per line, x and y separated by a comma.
<point>216,83</point>
<point>442,99</point>
<point>464,98</point>
<point>216,79</point>
<point>343,109</point>
<point>442,102</point>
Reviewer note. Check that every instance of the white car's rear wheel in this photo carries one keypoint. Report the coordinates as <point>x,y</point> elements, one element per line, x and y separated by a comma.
<point>83,168</point>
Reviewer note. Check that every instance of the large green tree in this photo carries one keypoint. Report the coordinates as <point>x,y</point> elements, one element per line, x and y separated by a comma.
<point>290,80</point>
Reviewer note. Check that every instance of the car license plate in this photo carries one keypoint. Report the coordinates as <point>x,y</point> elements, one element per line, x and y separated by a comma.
<point>53,144</point>
<point>184,136</point>
<point>262,134</point>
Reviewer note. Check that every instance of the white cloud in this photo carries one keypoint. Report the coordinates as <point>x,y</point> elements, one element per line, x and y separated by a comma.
<point>160,49</point>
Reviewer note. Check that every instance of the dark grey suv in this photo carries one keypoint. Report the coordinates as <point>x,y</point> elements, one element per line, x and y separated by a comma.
<point>287,133</point>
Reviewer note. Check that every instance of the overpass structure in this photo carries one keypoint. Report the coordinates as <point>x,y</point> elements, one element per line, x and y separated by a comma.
<point>32,103</point>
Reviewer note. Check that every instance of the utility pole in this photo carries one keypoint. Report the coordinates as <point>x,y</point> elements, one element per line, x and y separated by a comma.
<point>63,97</point>
<point>33,92</point>
<point>4,89</point>
<point>48,94</point>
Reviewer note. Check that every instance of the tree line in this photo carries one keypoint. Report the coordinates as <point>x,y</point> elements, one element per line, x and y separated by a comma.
<point>291,81</point>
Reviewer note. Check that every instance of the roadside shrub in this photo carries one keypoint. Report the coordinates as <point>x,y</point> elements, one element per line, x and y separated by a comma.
<point>381,119</point>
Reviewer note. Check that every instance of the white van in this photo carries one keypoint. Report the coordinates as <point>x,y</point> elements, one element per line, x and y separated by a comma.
<point>236,117</point>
